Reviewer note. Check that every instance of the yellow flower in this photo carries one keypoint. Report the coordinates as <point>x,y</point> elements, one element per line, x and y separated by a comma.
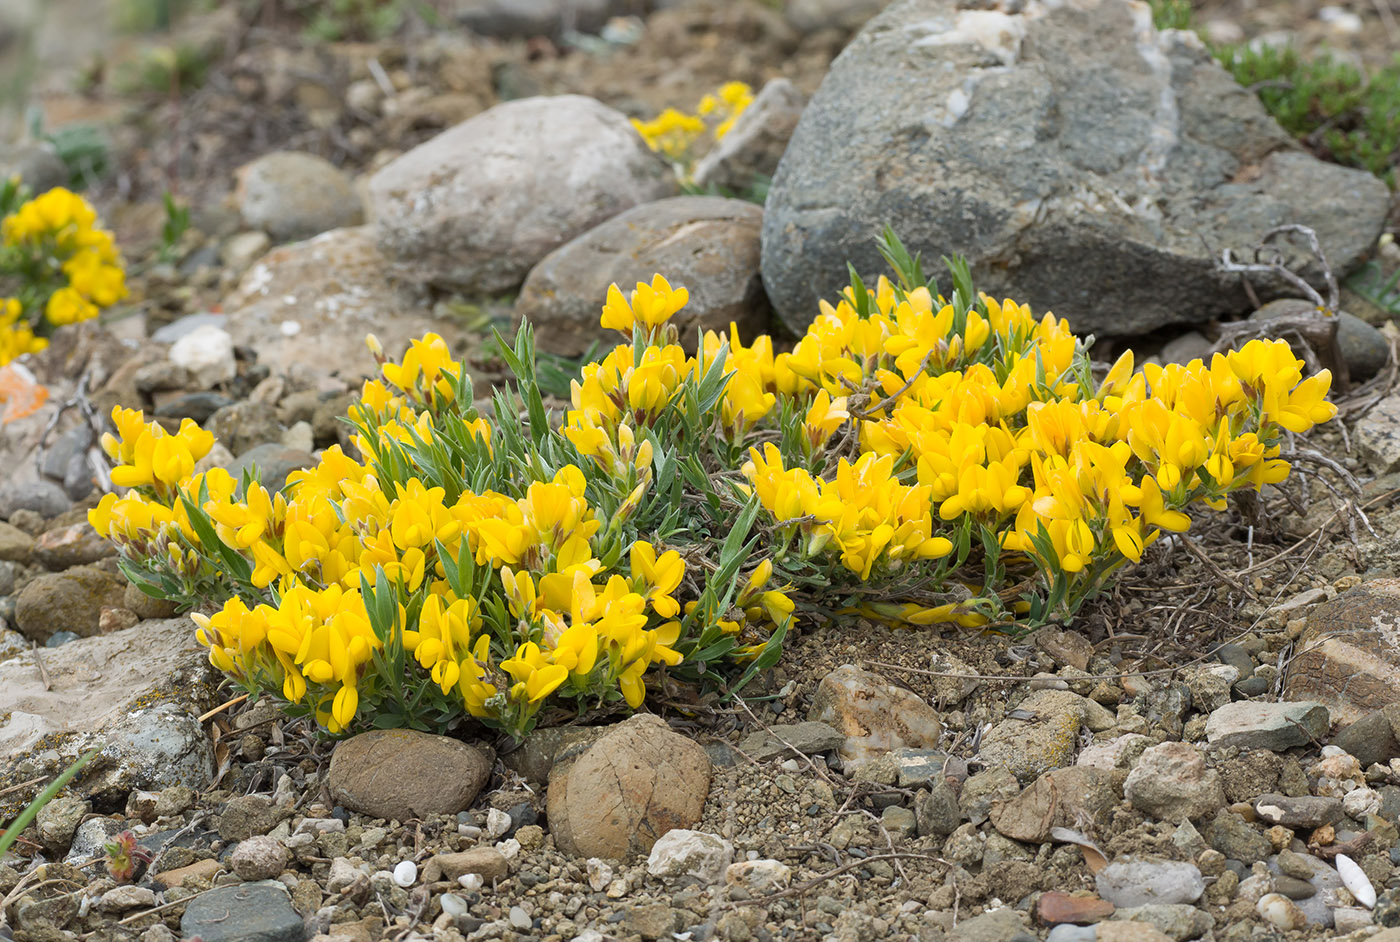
<point>824,417</point>
<point>651,306</point>
<point>656,579</point>
<point>536,678</point>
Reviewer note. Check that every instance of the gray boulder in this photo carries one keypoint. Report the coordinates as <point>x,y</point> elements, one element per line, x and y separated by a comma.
<point>1082,161</point>
<point>707,244</point>
<point>476,207</point>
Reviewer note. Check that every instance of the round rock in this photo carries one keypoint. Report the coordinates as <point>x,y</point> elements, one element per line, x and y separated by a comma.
<point>635,783</point>
<point>1138,881</point>
<point>72,600</point>
<point>1171,781</point>
<point>476,207</point>
<point>397,774</point>
<point>291,196</point>
<point>706,244</point>
<point>259,858</point>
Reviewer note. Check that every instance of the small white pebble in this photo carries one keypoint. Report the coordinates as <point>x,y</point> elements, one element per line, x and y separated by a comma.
<point>471,882</point>
<point>453,905</point>
<point>1329,751</point>
<point>792,765</point>
<point>470,831</point>
<point>600,873</point>
<point>519,918</point>
<point>1360,802</point>
<point>509,848</point>
<point>1356,881</point>
<point>290,328</point>
<point>1280,911</point>
<point>497,823</point>
<point>405,873</point>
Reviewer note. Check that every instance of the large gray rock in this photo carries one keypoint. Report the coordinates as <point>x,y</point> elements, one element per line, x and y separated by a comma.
<point>1082,161</point>
<point>155,747</point>
<point>248,912</point>
<point>67,601</point>
<point>1248,724</point>
<point>706,244</point>
<point>1144,881</point>
<point>476,207</point>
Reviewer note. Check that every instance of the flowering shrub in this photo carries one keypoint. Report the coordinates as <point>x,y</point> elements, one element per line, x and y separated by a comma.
<point>59,268</point>
<point>678,136</point>
<point>909,459</point>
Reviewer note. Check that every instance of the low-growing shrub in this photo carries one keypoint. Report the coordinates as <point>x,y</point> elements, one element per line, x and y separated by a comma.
<point>1339,111</point>
<point>915,458</point>
<point>56,267</point>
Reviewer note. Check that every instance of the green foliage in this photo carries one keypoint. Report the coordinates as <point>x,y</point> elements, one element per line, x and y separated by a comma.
<point>334,20</point>
<point>1339,111</point>
<point>83,150</point>
<point>1172,14</point>
<point>166,70</point>
<point>1372,283</point>
<point>755,192</point>
<point>177,223</point>
<point>144,16</point>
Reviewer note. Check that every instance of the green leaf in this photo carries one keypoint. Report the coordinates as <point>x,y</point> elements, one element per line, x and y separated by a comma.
<point>772,650</point>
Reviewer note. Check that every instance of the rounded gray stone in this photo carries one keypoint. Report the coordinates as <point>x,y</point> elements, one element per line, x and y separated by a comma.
<point>705,244</point>
<point>1140,881</point>
<point>475,208</point>
<point>291,196</point>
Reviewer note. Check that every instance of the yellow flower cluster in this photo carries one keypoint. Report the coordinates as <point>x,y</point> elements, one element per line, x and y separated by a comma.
<point>991,409</point>
<point>16,336</point>
<point>68,269</point>
<point>315,553</point>
<point>677,135</point>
